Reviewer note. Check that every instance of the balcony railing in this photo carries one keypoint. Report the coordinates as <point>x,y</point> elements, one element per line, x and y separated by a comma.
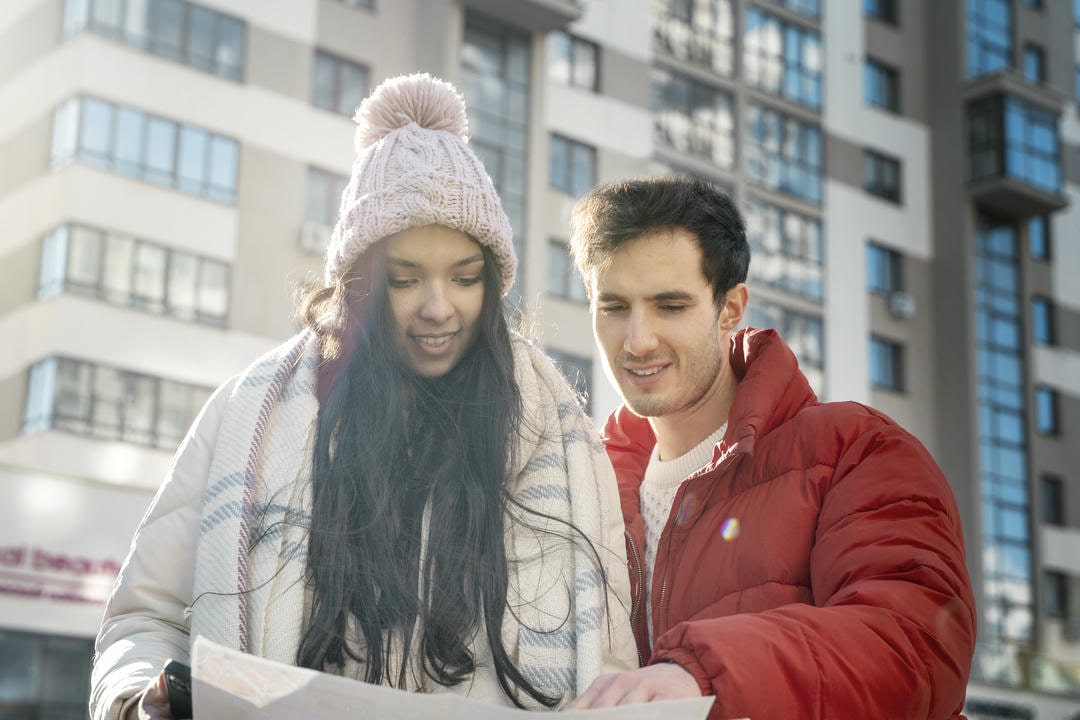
<point>1019,668</point>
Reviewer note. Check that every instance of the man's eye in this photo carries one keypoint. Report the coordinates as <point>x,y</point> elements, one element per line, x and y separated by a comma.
<point>610,309</point>
<point>672,308</point>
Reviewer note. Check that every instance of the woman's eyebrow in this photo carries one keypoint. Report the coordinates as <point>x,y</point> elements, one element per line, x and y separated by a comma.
<point>402,262</point>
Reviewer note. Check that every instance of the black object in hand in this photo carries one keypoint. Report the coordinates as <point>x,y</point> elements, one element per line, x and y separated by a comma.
<point>178,686</point>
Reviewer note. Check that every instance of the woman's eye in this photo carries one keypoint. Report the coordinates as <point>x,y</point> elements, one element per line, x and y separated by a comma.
<point>468,280</point>
<point>395,282</point>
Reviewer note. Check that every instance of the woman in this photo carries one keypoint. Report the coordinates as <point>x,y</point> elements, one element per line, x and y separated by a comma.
<point>405,493</point>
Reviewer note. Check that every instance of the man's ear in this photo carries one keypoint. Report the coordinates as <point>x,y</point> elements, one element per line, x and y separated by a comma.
<point>731,313</point>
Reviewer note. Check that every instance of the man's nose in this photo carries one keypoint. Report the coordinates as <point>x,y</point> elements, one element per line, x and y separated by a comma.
<point>640,336</point>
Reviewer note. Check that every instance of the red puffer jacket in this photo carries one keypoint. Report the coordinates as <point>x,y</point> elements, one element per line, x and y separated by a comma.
<point>815,568</point>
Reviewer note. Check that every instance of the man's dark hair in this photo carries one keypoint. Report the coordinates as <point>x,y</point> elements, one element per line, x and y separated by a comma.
<point>613,214</point>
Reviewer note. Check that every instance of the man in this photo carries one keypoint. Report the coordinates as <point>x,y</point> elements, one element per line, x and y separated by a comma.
<point>793,558</point>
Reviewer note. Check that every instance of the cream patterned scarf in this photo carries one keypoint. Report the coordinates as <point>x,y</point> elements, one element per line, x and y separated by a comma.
<point>249,577</point>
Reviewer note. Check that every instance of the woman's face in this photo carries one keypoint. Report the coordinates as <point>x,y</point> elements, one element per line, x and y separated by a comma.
<point>435,282</point>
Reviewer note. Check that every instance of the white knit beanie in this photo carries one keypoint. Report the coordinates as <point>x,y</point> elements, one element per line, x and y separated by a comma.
<point>414,167</point>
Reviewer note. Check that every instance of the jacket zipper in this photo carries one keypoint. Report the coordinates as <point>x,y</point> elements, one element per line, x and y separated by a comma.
<point>635,606</point>
<point>669,529</point>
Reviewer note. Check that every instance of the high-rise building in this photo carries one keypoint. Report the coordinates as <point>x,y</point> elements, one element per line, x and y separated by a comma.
<point>909,171</point>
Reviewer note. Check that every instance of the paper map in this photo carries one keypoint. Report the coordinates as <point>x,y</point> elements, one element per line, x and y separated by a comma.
<point>231,685</point>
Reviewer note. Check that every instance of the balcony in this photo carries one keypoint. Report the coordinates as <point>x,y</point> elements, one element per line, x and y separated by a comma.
<point>1014,153</point>
<point>538,16</point>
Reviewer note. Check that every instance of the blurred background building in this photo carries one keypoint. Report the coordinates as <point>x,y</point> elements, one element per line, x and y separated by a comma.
<point>909,170</point>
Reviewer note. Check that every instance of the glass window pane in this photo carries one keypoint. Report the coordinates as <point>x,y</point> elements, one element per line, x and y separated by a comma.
<point>76,16</point>
<point>107,410</point>
<point>213,301</point>
<point>84,258</point>
<point>54,250</point>
<point>95,131</point>
<point>40,396</point>
<point>73,383</point>
<point>66,668</point>
<point>168,28</point>
<point>119,259</point>
<point>128,156</point>
<point>107,15</point>
<point>20,667</point>
<point>149,284</point>
<point>229,54</point>
<point>140,408</point>
<point>354,88</point>
<point>324,82</point>
<point>200,40</point>
<point>65,138</point>
<point>191,165</point>
<point>160,151</point>
<point>224,158</point>
<point>174,414</point>
<point>182,283</point>
<point>137,23</point>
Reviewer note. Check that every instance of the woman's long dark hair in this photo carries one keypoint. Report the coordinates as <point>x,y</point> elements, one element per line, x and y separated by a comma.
<point>389,444</point>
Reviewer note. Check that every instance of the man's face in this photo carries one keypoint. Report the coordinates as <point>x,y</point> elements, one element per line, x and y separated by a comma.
<point>664,340</point>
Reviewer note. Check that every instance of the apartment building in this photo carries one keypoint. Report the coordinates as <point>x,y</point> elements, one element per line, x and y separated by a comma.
<point>910,174</point>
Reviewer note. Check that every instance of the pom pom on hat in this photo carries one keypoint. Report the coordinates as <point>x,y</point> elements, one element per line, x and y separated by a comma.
<point>413,168</point>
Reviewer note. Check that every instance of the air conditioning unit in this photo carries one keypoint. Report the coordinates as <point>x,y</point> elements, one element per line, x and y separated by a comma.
<point>902,305</point>
<point>314,237</point>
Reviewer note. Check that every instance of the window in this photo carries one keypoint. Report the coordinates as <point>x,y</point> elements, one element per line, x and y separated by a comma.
<point>563,278</point>
<point>495,75</point>
<point>886,364</point>
<point>804,334</point>
<point>143,146</point>
<point>881,175</point>
<point>191,34</point>
<point>110,404</point>
<point>884,269</point>
<point>1011,137</point>
<point>1038,238</point>
<point>809,8</point>
<point>1046,411</point>
<point>323,197</point>
<point>1033,3</point>
<point>1076,12</point>
<point>1009,579</point>
<point>365,4</point>
<point>338,84</point>
<point>784,154</point>
<point>1034,64</point>
<point>1053,499</point>
<point>573,166</point>
<point>788,249</point>
<point>578,370</point>
<point>1076,83</point>
<point>884,10</point>
<point>783,58</point>
<point>135,273</point>
<point>989,36</point>
<point>694,118</point>
<point>881,86</point>
<point>1055,594</point>
<point>1042,321</point>
<point>573,61</point>
<point>44,676</point>
<point>697,31</point>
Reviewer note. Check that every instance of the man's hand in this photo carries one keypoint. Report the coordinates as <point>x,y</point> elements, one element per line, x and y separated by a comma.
<point>154,703</point>
<point>663,681</point>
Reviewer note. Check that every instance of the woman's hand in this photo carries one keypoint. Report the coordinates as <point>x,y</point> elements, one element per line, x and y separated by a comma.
<point>154,703</point>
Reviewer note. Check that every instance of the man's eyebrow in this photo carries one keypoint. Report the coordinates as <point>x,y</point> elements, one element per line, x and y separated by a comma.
<point>402,262</point>
<point>666,296</point>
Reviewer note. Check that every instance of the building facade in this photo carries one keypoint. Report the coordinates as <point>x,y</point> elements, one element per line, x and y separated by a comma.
<point>909,171</point>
